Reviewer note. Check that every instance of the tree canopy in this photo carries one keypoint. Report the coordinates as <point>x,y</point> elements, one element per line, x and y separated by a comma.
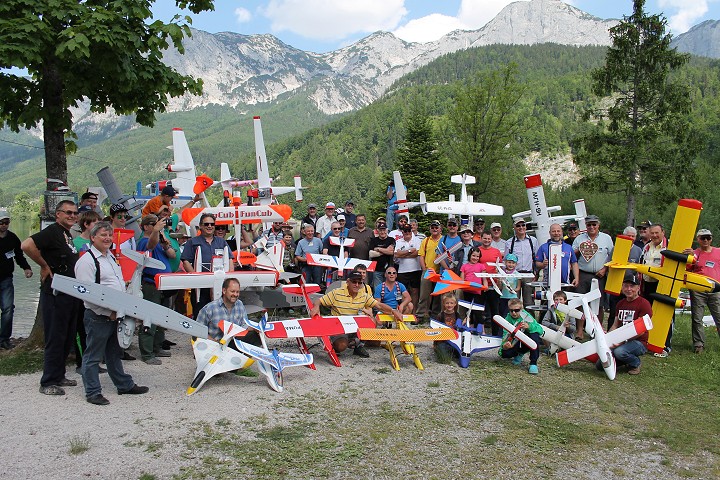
<point>105,53</point>
<point>641,140</point>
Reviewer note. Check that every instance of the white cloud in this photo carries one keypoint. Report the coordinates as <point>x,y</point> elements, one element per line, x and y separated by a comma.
<point>472,15</point>
<point>334,19</point>
<point>429,28</point>
<point>242,15</point>
<point>687,12</point>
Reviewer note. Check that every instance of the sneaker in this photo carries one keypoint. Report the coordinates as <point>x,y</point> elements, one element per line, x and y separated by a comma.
<point>634,371</point>
<point>127,356</point>
<point>699,349</point>
<point>66,382</point>
<point>663,354</point>
<point>361,352</point>
<point>52,390</point>
<point>153,361</point>
<point>163,353</point>
<point>135,390</point>
<point>98,400</point>
<point>517,360</point>
<point>166,344</point>
<point>533,370</point>
<point>6,345</point>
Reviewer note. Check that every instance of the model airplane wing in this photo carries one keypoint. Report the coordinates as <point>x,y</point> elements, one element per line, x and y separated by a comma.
<point>410,335</point>
<point>616,273</point>
<point>276,359</point>
<point>461,208</point>
<point>318,326</point>
<point>447,253</point>
<point>247,279</point>
<point>214,358</point>
<point>125,304</point>
<point>239,214</point>
<point>515,332</point>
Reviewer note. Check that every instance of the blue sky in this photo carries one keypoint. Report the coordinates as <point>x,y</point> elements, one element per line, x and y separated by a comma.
<point>325,25</point>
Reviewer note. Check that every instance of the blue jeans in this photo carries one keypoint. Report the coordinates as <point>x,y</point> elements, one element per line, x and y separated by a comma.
<point>313,274</point>
<point>7,305</point>
<point>102,341</point>
<point>521,349</point>
<point>629,353</point>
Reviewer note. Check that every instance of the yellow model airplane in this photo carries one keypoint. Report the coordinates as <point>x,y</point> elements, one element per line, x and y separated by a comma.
<point>405,336</point>
<point>672,275</point>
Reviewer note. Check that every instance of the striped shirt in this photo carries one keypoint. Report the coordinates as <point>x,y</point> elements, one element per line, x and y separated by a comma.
<point>341,303</point>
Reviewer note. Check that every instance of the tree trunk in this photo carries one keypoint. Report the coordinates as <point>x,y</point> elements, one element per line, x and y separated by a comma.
<point>55,122</point>
<point>630,218</point>
<point>36,339</point>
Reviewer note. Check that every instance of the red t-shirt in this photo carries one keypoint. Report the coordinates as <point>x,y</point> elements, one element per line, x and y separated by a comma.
<point>630,311</point>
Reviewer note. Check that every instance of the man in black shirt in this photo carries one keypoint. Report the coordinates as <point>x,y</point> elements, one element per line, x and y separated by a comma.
<point>9,251</point>
<point>53,249</point>
<point>382,250</point>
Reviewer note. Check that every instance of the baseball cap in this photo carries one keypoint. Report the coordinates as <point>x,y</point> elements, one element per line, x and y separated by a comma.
<point>702,231</point>
<point>381,225</point>
<point>592,218</point>
<point>116,208</point>
<point>4,215</point>
<point>631,277</point>
<point>350,202</point>
<point>168,190</point>
<point>329,205</point>
<point>572,225</point>
<point>87,195</point>
<point>479,220</point>
<point>355,275</point>
<point>435,223</point>
<point>84,208</point>
<point>452,221</point>
<point>495,225</point>
<point>340,217</point>
<point>512,257</point>
<point>312,205</point>
<point>466,228</point>
<point>645,224</point>
<point>518,220</point>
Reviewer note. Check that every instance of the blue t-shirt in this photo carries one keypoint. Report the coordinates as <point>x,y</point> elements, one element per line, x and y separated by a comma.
<point>391,298</point>
<point>157,253</point>
<point>568,257</point>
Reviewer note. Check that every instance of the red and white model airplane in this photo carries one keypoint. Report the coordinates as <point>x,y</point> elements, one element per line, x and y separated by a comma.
<point>317,326</point>
<point>601,343</point>
<point>539,213</point>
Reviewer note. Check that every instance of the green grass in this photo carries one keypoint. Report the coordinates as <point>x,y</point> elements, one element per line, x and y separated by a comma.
<point>79,444</point>
<point>495,411</point>
<point>17,361</point>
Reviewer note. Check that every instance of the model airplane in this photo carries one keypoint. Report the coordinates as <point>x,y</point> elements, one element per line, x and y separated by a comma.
<point>341,262</point>
<point>449,281</point>
<point>239,214</point>
<point>447,254</point>
<point>463,207</point>
<point>470,341</point>
<point>128,305</point>
<point>126,324</point>
<point>499,280</point>
<point>405,336</point>
<point>515,334</point>
<point>672,275</point>
<point>601,343</point>
<point>539,212</point>
<point>317,326</point>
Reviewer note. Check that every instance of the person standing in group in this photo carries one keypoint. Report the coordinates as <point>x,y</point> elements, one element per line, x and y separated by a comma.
<point>707,262</point>
<point>429,306</point>
<point>313,245</point>
<point>362,236</point>
<point>99,265</point>
<point>52,248</point>
<point>524,247</point>
<point>9,250</point>
<point>382,250</point>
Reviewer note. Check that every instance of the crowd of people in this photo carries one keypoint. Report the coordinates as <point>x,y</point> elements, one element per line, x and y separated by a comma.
<point>80,243</point>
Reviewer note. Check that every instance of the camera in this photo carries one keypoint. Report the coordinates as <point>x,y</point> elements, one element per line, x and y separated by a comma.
<point>168,222</point>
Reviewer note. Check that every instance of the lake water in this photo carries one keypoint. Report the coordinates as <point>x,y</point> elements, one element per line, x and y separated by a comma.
<point>27,290</point>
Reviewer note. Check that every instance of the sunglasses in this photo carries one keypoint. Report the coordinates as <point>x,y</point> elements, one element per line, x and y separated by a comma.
<point>570,229</point>
<point>705,237</point>
<point>593,224</point>
<point>336,229</point>
<point>391,273</point>
<point>221,227</point>
<point>515,310</point>
<point>69,212</point>
<point>207,224</point>
<point>496,228</point>
<point>519,225</point>
<point>452,224</point>
<point>434,226</point>
<point>121,215</point>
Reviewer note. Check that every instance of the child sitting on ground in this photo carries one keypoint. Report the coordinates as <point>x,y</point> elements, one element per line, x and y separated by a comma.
<point>555,319</point>
<point>449,316</point>
<point>512,347</point>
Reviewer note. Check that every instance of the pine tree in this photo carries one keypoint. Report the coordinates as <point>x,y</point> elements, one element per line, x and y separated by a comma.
<point>641,141</point>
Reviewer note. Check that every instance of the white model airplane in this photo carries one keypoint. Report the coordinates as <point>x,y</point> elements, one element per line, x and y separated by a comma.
<point>341,262</point>
<point>128,305</point>
<point>499,280</point>
<point>466,206</point>
<point>602,342</point>
<point>539,213</point>
<point>239,214</point>
<point>265,191</point>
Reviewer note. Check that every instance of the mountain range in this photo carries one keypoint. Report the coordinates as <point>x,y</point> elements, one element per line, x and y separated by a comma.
<point>254,74</point>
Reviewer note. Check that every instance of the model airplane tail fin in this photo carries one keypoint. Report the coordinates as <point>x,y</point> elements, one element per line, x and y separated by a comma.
<point>298,188</point>
<point>342,241</point>
<point>260,156</point>
<point>423,203</point>
<point>466,179</point>
<point>616,274</point>
<point>202,183</point>
<point>471,305</point>
<point>271,258</point>
<point>284,210</point>
<point>225,173</point>
<point>432,276</point>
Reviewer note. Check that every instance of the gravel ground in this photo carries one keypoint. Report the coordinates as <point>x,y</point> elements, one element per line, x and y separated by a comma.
<point>150,434</point>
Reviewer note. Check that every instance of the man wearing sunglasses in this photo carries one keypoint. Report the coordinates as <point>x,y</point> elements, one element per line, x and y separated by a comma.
<point>707,262</point>
<point>52,248</point>
<point>9,250</point>
<point>118,218</point>
<point>572,232</point>
<point>212,250</point>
